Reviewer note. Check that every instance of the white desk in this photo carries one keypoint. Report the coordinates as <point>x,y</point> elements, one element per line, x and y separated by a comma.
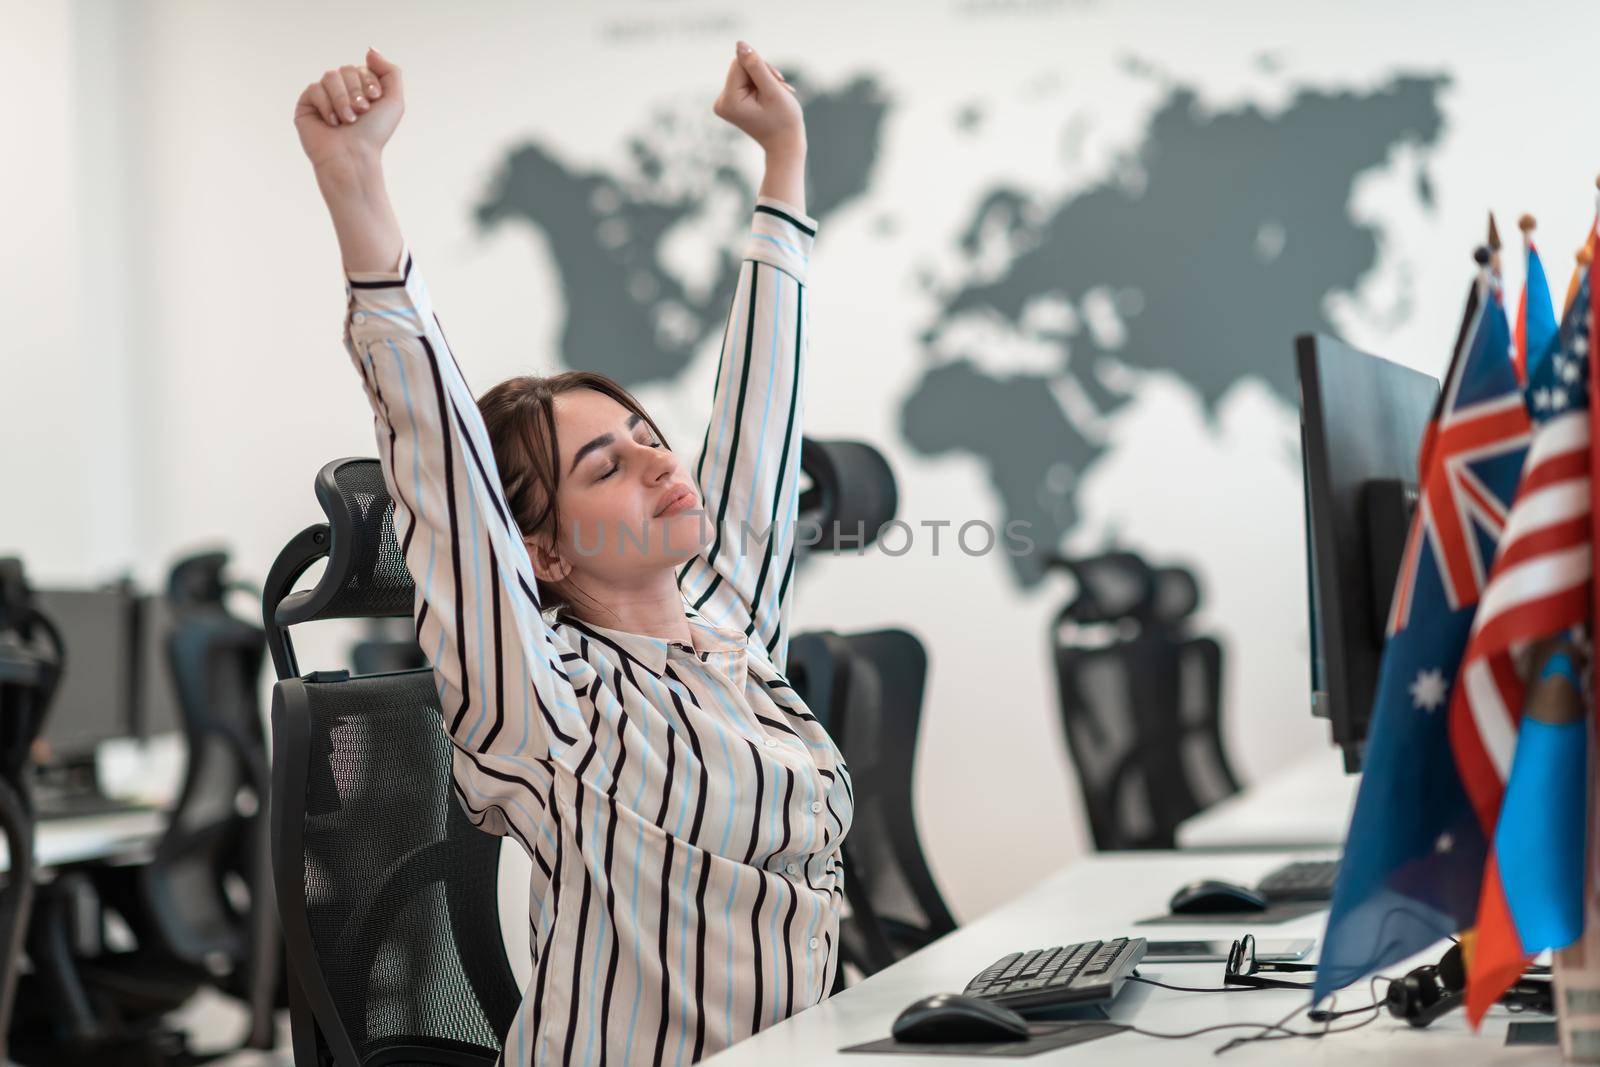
<point>125,835</point>
<point>1307,805</point>
<point>1101,897</point>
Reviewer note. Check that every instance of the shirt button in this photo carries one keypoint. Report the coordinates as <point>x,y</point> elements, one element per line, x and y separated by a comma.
<point>793,868</point>
<point>812,943</point>
<point>816,807</point>
<point>772,742</point>
<point>359,317</point>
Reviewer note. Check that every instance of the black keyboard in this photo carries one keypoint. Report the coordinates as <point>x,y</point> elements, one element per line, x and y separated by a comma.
<point>1089,973</point>
<point>1301,880</point>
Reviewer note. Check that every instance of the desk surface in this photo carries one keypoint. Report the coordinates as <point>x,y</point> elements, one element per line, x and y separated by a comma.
<point>1306,805</point>
<point>1100,897</point>
<point>59,842</point>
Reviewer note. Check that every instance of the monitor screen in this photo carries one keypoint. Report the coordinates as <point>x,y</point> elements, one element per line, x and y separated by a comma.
<point>95,700</point>
<point>157,711</point>
<point>1362,420</point>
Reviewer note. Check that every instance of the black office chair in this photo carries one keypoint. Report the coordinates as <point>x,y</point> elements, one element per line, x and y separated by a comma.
<point>389,645</point>
<point>850,495</point>
<point>387,893</point>
<point>1141,700</point>
<point>866,690</point>
<point>201,909</point>
<point>895,904</point>
<point>31,660</point>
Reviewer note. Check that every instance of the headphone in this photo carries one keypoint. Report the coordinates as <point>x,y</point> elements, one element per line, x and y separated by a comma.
<point>1437,989</point>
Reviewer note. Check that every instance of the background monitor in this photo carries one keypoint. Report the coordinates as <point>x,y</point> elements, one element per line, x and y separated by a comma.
<point>1361,421</point>
<point>156,693</point>
<point>99,630</point>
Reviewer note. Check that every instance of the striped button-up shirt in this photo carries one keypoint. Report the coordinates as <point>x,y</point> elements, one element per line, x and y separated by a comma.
<point>682,807</point>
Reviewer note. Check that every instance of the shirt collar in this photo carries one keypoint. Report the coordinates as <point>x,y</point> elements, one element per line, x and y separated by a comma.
<point>652,651</point>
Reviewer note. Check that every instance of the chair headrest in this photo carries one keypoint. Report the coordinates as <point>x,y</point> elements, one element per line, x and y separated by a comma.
<point>1115,586</point>
<point>852,489</point>
<point>197,579</point>
<point>366,576</point>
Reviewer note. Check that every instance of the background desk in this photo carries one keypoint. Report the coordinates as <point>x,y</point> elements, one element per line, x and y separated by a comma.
<point>1307,805</point>
<point>60,842</point>
<point>1101,897</point>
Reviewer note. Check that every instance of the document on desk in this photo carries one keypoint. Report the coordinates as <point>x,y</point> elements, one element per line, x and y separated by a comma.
<point>1043,1037</point>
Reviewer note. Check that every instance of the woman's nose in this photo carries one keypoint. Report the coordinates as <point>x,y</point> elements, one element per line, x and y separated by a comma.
<point>659,466</point>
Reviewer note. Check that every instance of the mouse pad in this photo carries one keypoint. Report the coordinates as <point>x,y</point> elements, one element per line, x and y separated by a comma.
<point>1043,1037</point>
<point>1275,913</point>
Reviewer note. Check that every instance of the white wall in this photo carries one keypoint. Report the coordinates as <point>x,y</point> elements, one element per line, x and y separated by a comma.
<point>174,297</point>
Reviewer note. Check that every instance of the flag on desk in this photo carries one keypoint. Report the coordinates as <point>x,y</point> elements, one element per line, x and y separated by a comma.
<point>1536,315</point>
<point>1413,860</point>
<point>1517,722</point>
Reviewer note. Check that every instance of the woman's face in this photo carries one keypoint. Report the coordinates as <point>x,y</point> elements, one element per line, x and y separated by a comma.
<point>628,505</point>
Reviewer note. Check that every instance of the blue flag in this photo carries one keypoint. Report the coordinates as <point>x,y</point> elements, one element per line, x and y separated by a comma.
<point>1414,857</point>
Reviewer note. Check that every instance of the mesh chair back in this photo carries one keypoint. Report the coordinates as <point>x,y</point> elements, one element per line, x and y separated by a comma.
<point>217,835</point>
<point>388,895</point>
<point>383,878</point>
<point>1140,701</point>
<point>895,903</point>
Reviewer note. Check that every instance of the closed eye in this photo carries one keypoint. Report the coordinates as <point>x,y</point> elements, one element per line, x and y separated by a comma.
<point>615,466</point>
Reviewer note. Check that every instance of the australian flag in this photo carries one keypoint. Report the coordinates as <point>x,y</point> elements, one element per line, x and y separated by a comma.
<point>1414,858</point>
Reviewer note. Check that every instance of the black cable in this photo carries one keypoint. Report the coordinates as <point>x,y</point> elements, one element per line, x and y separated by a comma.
<point>1278,1031</point>
<point>1326,1018</point>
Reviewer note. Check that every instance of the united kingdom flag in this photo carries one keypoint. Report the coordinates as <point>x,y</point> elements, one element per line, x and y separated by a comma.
<point>1414,858</point>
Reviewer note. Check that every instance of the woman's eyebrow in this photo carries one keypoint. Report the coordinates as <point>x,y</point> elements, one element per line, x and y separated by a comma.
<point>599,442</point>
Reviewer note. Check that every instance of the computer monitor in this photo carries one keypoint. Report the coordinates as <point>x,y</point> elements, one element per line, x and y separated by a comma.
<point>1361,419</point>
<point>99,632</point>
<point>156,708</point>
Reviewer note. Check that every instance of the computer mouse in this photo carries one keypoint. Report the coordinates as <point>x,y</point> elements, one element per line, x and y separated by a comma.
<point>948,1018</point>
<point>1213,897</point>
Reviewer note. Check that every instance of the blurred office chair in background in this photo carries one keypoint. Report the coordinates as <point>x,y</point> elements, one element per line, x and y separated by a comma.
<point>388,645</point>
<point>31,662</point>
<point>1141,699</point>
<point>388,894</point>
<point>201,910</point>
<point>867,689</point>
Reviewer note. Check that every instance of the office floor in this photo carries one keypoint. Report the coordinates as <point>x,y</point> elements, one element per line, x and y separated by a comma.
<point>215,1022</point>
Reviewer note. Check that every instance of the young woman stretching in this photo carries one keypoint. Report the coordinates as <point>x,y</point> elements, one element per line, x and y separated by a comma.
<point>608,628</point>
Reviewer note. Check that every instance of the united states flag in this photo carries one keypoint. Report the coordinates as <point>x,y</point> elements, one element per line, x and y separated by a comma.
<point>1539,587</point>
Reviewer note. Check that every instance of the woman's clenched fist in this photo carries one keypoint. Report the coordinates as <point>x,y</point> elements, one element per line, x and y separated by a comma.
<point>350,112</point>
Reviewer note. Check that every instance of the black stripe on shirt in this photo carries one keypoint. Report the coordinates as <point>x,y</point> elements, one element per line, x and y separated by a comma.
<point>661,947</point>
<point>786,217</point>
<point>783,466</point>
<point>499,658</point>
<point>455,536</point>
<point>736,419</point>
<point>401,284</point>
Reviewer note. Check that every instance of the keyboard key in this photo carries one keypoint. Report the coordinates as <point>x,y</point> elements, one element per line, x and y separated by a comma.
<point>1015,968</point>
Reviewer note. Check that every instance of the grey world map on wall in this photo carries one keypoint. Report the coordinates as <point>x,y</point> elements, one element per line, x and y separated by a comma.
<point>1219,241</point>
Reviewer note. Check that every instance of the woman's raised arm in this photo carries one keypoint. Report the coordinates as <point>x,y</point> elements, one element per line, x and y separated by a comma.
<point>749,465</point>
<point>344,120</point>
<point>504,692</point>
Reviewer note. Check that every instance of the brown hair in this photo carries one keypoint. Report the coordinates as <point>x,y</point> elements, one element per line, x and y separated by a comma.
<point>520,416</point>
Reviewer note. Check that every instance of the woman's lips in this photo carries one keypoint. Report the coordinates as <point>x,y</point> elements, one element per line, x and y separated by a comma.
<point>682,500</point>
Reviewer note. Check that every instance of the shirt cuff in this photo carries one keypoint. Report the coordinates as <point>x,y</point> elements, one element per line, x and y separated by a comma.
<point>380,303</point>
<point>781,235</point>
